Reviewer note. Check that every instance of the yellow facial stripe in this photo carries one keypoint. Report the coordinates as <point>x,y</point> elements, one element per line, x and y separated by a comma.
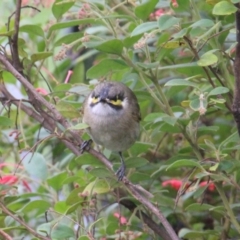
<point>95,100</point>
<point>117,102</point>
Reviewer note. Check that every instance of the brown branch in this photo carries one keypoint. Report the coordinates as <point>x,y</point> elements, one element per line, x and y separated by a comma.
<point>195,52</point>
<point>152,209</point>
<point>158,229</point>
<point>39,101</point>
<point>30,111</point>
<point>5,235</point>
<point>236,98</point>
<point>75,149</point>
<point>32,231</point>
<point>14,40</point>
<point>189,42</point>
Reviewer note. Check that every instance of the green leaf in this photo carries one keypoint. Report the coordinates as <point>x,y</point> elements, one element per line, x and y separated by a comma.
<point>143,10</point>
<point>234,137</point>
<point>32,29</point>
<point>129,41</point>
<point>143,28</point>
<point>227,165</point>
<point>101,172</point>
<point>180,82</point>
<point>62,232</point>
<point>214,167</point>
<point>98,186</point>
<point>73,23</point>
<point>177,35</point>
<point>218,91</point>
<point>224,8</point>
<point>40,205</point>
<point>197,207</point>
<point>73,198</point>
<point>170,120</point>
<point>207,59</point>
<point>67,110</point>
<point>7,34</point>
<point>135,162</point>
<point>83,237</point>
<point>45,228</point>
<point>40,56</point>
<point>61,207</point>
<point>193,234</point>
<point>176,66</point>
<point>79,126</point>
<point>56,181</point>
<point>154,117</point>
<point>184,163</point>
<point>210,144</point>
<point>60,7</point>
<point>69,38</point>
<point>87,159</point>
<point>5,122</point>
<point>105,67</point>
<point>208,129</point>
<point>203,23</point>
<point>167,22</point>
<point>35,164</point>
<point>195,104</point>
<point>159,117</point>
<point>113,46</point>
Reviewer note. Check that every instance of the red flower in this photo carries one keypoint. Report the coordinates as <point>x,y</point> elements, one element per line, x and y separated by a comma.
<point>8,179</point>
<point>174,3</point>
<point>156,14</point>
<point>122,219</point>
<point>26,185</point>
<point>211,185</point>
<point>174,183</point>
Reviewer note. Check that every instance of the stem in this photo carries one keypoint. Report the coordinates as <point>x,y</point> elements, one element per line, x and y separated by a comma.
<point>32,231</point>
<point>227,207</point>
<point>141,73</point>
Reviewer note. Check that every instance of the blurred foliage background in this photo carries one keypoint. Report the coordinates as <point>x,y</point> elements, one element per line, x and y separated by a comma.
<point>177,57</point>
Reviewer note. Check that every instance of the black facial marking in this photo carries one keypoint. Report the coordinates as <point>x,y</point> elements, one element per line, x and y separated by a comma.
<point>107,92</point>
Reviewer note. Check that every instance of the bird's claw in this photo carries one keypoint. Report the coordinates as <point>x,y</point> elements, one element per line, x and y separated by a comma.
<point>120,173</point>
<point>85,146</point>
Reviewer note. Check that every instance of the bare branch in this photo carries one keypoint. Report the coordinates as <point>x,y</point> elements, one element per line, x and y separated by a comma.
<point>32,231</point>
<point>5,235</point>
<point>236,98</point>
<point>45,119</point>
<point>14,40</point>
<point>158,229</point>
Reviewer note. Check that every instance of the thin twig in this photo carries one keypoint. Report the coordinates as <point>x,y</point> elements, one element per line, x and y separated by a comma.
<point>153,209</point>
<point>236,98</point>
<point>14,40</point>
<point>51,125</point>
<point>189,42</point>
<point>98,155</point>
<point>32,231</point>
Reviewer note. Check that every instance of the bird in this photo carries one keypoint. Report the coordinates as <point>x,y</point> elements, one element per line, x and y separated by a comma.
<point>113,116</point>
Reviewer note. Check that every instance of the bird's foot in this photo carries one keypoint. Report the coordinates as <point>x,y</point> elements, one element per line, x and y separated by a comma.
<point>86,145</point>
<point>120,173</point>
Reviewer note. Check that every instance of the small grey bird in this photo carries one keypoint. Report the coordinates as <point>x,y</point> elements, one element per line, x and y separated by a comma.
<point>112,113</point>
